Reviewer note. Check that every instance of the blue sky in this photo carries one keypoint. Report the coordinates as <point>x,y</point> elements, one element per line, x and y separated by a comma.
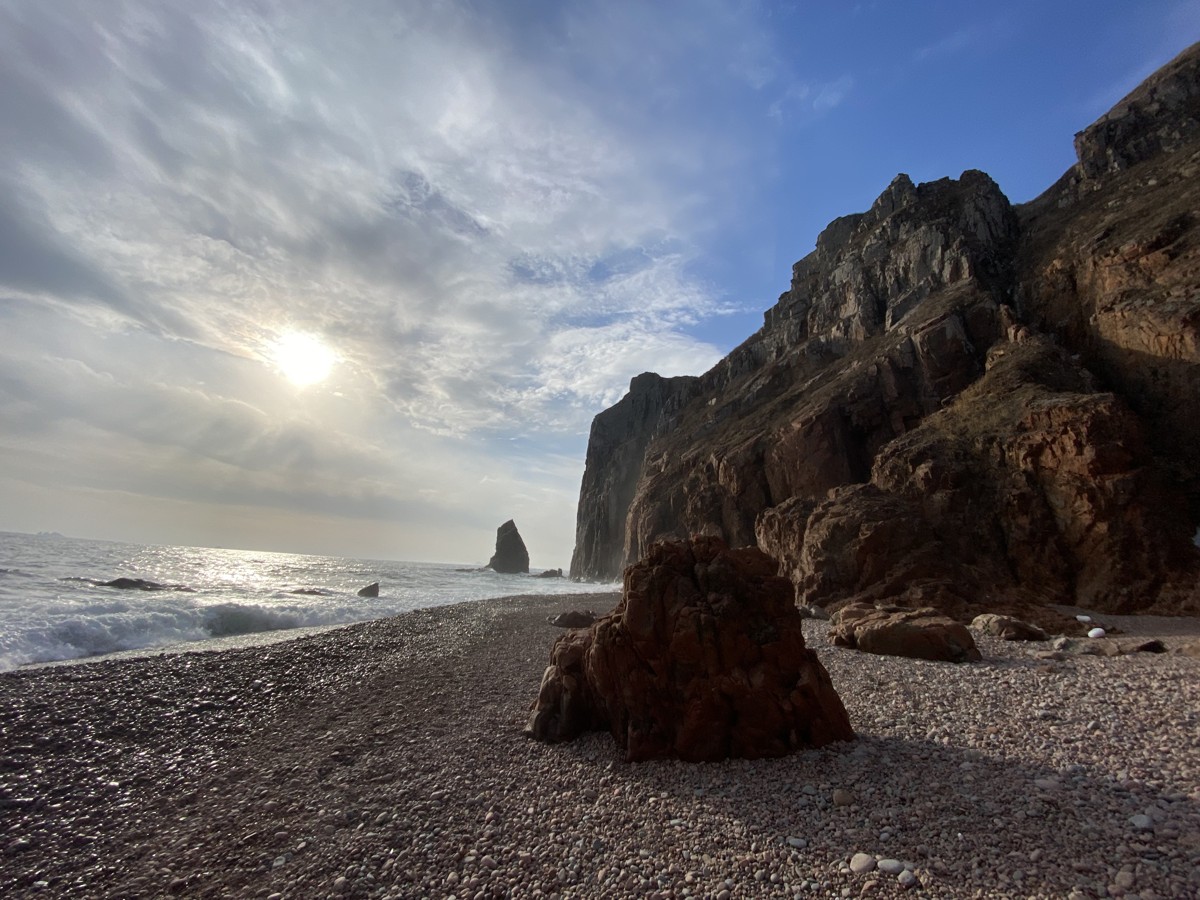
<point>484,219</point>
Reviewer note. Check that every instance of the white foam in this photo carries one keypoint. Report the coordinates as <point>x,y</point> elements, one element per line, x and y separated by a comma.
<point>51,609</point>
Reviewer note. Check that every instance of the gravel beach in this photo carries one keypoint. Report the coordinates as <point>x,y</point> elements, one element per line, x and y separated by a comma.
<point>386,759</point>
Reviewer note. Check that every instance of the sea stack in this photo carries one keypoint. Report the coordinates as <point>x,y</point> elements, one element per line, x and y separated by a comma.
<point>510,557</point>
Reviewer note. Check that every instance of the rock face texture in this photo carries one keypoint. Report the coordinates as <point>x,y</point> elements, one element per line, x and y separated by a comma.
<point>703,659</point>
<point>616,449</point>
<point>958,403</point>
<point>510,557</point>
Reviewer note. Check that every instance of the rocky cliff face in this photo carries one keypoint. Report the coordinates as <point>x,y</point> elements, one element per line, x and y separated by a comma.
<point>616,449</point>
<point>956,401</point>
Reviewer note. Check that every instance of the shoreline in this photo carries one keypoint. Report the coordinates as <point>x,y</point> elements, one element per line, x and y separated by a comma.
<point>386,758</point>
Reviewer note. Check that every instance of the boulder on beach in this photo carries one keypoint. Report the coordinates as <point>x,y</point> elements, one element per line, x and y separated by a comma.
<point>1007,628</point>
<point>896,631</point>
<point>702,659</point>
<point>572,619</point>
<point>510,557</point>
<point>371,590</point>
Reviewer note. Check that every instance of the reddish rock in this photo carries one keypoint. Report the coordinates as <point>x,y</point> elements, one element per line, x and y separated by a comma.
<point>895,631</point>
<point>703,659</point>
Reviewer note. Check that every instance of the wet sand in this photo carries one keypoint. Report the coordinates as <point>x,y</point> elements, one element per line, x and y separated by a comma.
<point>386,759</point>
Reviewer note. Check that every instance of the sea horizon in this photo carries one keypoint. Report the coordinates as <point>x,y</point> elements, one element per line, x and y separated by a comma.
<point>55,604</point>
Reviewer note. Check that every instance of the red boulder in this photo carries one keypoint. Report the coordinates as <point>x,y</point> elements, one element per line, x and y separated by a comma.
<point>703,659</point>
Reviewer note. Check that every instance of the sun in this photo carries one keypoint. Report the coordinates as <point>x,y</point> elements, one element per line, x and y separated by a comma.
<point>302,358</point>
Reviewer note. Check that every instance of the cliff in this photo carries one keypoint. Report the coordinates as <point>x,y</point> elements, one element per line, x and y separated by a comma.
<point>956,401</point>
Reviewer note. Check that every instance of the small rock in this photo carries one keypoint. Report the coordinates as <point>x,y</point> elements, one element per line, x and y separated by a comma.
<point>339,883</point>
<point>1097,633</point>
<point>1141,822</point>
<point>1084,619</point>
<point>907,879</point>
<point>797,843</point>
<point>842,797</point>
<point>890,866</point>
<point>862,863</point>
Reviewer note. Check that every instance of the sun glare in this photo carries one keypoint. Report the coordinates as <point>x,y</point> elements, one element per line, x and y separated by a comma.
<point>302,358</point>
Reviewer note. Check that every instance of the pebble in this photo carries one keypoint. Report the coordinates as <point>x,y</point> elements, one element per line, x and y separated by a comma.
<point>890,866</point>
<point>862,863</point>
<point>576,811</point>
<point>1097,633</point>
<point>842,797</point>
<point>1141,822</point>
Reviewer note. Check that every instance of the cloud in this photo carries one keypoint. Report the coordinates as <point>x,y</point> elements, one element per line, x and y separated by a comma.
<point>801,102</point>
<point>492,213</point>
<point>956,42</point>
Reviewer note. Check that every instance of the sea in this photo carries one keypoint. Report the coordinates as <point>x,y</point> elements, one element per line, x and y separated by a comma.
<point>55,606</point>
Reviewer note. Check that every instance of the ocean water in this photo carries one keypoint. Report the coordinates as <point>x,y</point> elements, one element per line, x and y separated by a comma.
<point>52,606</point>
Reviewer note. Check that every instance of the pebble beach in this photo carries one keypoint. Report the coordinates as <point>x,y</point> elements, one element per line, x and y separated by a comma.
<point>387,759</point>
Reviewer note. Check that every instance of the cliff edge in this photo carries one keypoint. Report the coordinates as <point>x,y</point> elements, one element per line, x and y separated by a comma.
<point>957,401</point>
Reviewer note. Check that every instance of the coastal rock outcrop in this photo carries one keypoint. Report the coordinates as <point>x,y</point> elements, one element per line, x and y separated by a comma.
<point>703,659</point>
<point>511,557</point>
<point>371,590</point>
<point>958,403</point>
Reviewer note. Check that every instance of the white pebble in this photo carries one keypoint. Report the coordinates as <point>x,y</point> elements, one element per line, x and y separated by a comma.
<point>1083,619</point>
<point>1097,633</point>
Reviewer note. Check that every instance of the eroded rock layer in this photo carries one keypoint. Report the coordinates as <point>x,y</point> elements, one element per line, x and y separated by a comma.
<point>957,403</point>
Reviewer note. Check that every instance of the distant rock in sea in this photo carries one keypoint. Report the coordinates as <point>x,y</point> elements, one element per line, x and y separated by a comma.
<point>140,584</point>
<point>371,590</point>
<point>510,557</point>
<point>550,573</point>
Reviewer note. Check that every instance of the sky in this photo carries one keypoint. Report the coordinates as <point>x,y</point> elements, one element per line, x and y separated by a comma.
<point>354,278</point>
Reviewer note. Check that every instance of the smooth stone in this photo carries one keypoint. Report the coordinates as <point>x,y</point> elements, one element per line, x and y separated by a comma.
<point>798,843</point>
<point>1097,633</point>
<point>907,879</point>
<point>890,866</point>
<point>862,863</point>
<point>842,797</point>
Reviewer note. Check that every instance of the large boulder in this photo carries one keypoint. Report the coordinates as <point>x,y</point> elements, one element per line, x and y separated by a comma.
<point>703,659</point>
<point>510,557</point>
<point>895,631</point>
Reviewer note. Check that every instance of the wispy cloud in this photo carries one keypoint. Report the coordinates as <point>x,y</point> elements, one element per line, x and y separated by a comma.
<point>457,201</point>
